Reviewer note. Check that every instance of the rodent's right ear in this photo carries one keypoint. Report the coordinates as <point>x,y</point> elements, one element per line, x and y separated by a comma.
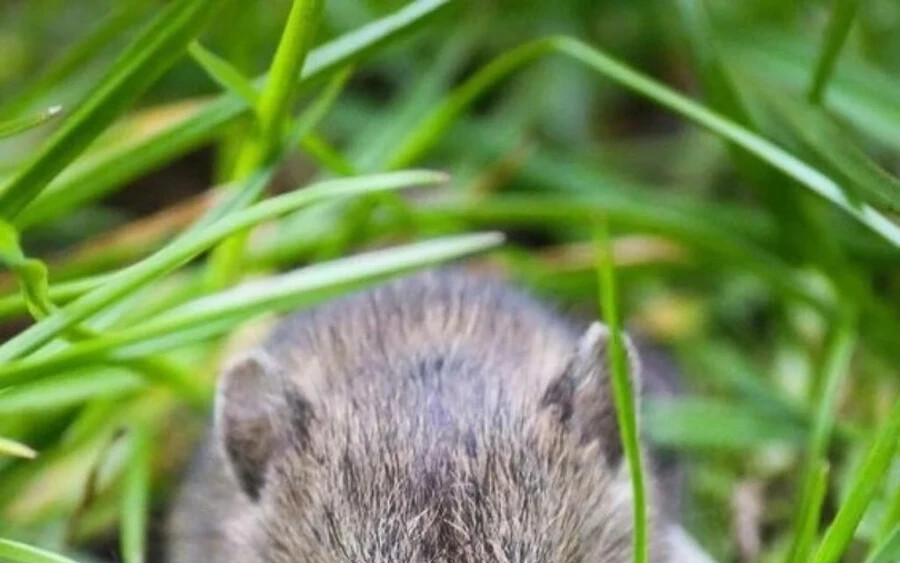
<point>255,417</point>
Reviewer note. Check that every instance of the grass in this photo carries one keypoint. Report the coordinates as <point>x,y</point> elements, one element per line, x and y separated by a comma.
<point>172,178</point>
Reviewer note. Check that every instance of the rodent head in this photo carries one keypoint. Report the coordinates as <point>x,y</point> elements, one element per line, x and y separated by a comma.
<point>538,482</point>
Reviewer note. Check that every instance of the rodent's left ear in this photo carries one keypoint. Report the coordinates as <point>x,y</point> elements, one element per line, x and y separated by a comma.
<point>256,416</point>
<point>582,395</point>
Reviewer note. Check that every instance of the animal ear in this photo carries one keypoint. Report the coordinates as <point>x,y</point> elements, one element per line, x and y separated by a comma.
<point>581,398</point>
<point>257,416</point>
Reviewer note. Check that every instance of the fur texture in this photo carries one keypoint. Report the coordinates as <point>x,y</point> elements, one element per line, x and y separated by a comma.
<point>442,418</point>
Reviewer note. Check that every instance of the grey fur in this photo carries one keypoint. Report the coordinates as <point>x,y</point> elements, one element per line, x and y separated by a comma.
<point>442,418</point>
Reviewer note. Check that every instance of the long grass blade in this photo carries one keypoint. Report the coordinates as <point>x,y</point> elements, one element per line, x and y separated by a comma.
<point>135,499</point>
<point>22,553</point>
<point>839,23</point>
<point>15,126</point>
<point>863,486</point>
<point>15,449</point>
<point>888,551</point>
<point>623,392</point>
<point>224,73</point>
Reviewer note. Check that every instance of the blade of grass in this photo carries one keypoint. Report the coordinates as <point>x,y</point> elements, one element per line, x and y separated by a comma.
<point>15,449</point>
<point>865,483</point>
<point>815,489</point>
<point>23,553</point>
<point>69,389</point>
<point>423,137</point>
<point>96,174</point>
<point>151,53</point>
<point>888,551</point>
<point>272,112</point>
<point>623,392</point>
<point>705,423</point>
<point>135,499</point>
<point>77,57</point>
<point>14,126</point>
<point>832,145</point>
<point>185,248</point>
<point>224,73</point>
<point>218,313</point>
<point>833,371</point>
<point>842,14</point>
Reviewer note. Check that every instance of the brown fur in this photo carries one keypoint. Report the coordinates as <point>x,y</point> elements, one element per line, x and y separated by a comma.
<point>438,419</point>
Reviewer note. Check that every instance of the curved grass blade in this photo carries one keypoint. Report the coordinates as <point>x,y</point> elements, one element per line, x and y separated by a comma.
<point>96,174</point>
<point>224,73</point>
<point>433,126</point>
<point>865,483</point>
<point>185,248</point>
<point>833,146</point>
<point>623,391</point>
<point>151,53</point>
<point>15,449</point>
<point>839,23</point>
<point>16,126</point>
<point>22,553</point>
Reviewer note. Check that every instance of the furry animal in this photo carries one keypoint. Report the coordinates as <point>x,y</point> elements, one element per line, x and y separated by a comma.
<point>442,418</point>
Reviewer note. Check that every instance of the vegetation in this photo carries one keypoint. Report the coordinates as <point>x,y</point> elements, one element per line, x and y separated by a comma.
<point>741,159</point>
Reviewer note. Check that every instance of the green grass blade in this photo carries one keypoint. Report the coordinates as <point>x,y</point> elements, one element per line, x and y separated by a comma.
<point>863,486</point>
<point>14,126</point>
<point>710,424</point>
<point>22,553</point>
<point>888,551</point>
<point>216,314</point>
<point>154,51</point>
<point>69,389</point>
<point>135,499</point>
<point>833,146</point>
<point>96,174</point>
<point>15,449</point>
<point>76,57</point>
<point>281,84</point>
<point>815,489</point>
<point>841,19</point>
<point>224,73</point>
<point>623,391</point>
<point>185,248</point>
<point>833,370</point>
<point>434,125</point>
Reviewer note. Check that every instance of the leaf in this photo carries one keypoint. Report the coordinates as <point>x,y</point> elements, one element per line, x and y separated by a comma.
<point>22,553</point>
<point>224,73</point>
<point>149,55</point>
<point>185,248</point>
<point>31,273</point>
<point>15,449</point>
<point>14,126</point>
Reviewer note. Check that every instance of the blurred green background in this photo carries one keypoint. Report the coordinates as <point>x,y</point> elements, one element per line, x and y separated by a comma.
<point>780,307</point>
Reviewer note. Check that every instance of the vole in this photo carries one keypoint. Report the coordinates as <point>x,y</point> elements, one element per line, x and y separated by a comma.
<point>442,418</point>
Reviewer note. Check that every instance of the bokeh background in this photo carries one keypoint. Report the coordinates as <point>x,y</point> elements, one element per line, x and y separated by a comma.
<point>778,308</point>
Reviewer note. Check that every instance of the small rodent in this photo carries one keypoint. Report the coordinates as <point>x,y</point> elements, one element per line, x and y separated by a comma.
<point>442,418</point>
